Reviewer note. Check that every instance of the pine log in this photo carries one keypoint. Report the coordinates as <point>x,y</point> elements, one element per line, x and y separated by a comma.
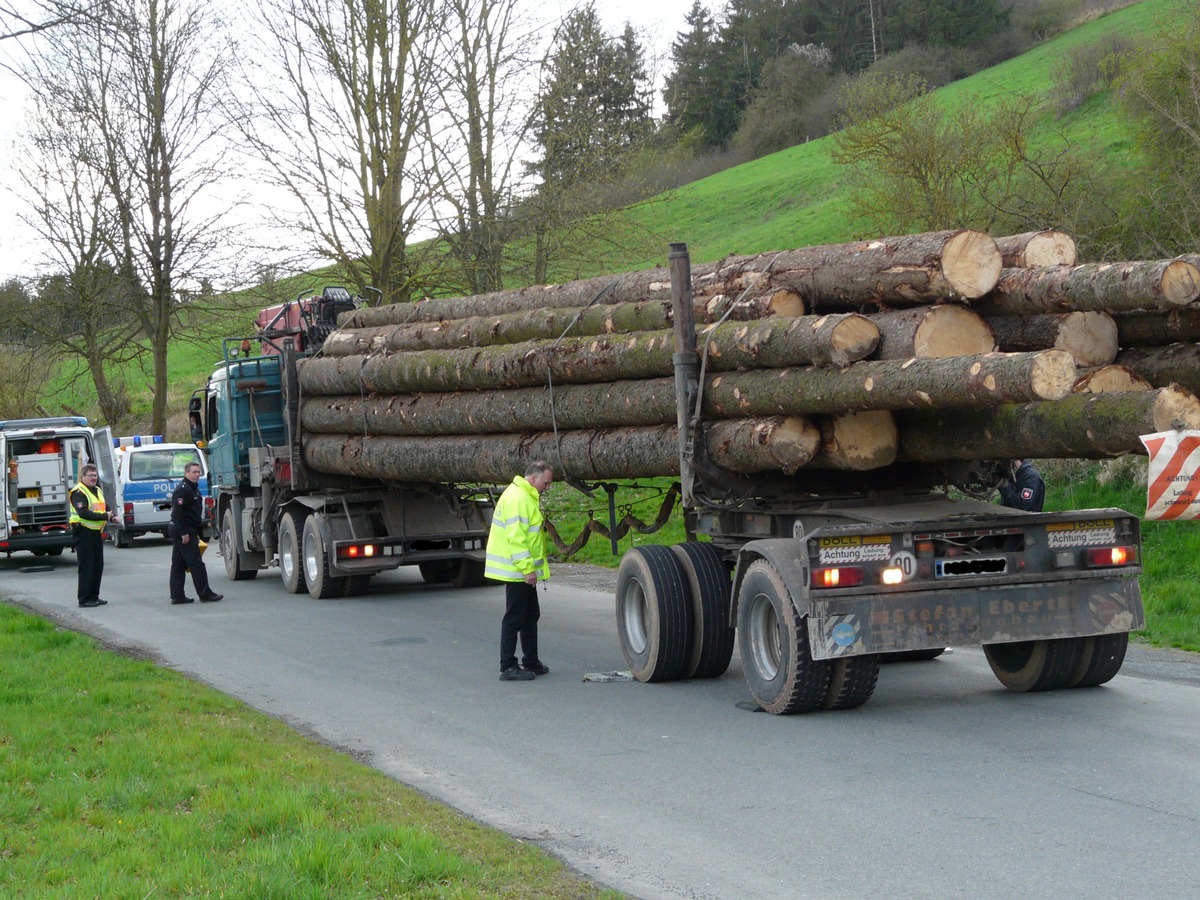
<point>1093,287</point>
<point>1090,337</point>
<point>547,324</point>
<point>1154,327</point>
<point>932,331</point>
<point>1161,366</point>
<point>857,441</point>
<point>905,270</point>
<point>1081,426</point>
<point>912,384</point>
<point>744,446</point>
<point>767,343</point>
<point>1110,380</point>
<point>1037,248</point>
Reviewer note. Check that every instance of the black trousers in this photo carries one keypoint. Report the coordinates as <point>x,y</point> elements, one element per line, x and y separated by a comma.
<point>521,614</point>
<point>89,551</point>
<point>187,556</point>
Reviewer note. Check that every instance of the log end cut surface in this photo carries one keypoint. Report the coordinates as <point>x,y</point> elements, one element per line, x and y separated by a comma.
<point>1111,380</point>
<point>1053,375</point>
<point>952,331</point>
<point>854,337</point>
<point>971,263</point>
<point>1090,337</point>
<point>1049,248</point>
<point>1176,408</point>
<point>1180,283</point>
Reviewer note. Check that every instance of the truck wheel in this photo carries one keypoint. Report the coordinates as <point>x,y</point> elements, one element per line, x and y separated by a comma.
<point>773,642</point>
<point>851,681</point>
<point>712,634</point>
<point>654,614</point>
<point>55,551</point>
<point>1100,658</point>
<point>321,584</point>
<point>291,561</point>
<point>122,538</point>
<point>437,572</point>
<point>468,573</point>
<point>230,552</point>
<point>1034,665</point>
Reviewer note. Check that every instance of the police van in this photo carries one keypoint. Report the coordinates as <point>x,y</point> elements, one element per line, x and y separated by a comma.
<point>148,471</point>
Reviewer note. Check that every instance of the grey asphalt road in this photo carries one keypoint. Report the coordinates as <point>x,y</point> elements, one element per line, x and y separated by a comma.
<point>944,784</point>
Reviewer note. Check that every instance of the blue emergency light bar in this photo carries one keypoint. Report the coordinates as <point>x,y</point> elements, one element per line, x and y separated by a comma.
<point>136,440</point>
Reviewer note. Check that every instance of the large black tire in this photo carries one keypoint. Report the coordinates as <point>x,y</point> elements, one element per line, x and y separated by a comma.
<point>55,551</point>
<point>437,572</point>
<point>654,613</point>
<point>122,538</point>
<point>852,681</point>
<point>229,551</point>
<point>773,643</point>
<point>1043,665</point>
<point>713,635</point>
<point>321,584</point>
<point>468,573</point>
<point>291,559</point>
<point>1100,658</point>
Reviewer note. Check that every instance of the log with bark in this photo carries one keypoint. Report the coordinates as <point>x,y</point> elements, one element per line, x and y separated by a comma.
<point>912,384</point>
<point>1161,366</point>
<point>1092,287</point>
<point>1090,337</point>
<point>932,331</point>
<point>739,446</point>
<point>764,344</point>
<point>893,271</point>
<point>546,324</point>
<point>1037,248</point>
<point>1155,327</point>
<point>1081,426</point>
<point>857,441</point>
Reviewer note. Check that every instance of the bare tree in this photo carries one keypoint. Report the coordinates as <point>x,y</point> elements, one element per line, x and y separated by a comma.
<point>338,129</point>
<point>477,123</point>
<point>145,83</point>
<point>21,20</point>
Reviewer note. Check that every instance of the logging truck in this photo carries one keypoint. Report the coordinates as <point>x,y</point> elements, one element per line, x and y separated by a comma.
<point>327,533</point>
<point>819,576</point>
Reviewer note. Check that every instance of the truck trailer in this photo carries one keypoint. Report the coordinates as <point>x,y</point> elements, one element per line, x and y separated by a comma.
<point>818,578</point>
<point>327,534</point>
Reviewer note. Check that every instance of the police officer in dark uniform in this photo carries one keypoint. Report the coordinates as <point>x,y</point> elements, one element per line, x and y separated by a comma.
<point>187,514</point>
<point>89,514</point>
<point>1024,488</point>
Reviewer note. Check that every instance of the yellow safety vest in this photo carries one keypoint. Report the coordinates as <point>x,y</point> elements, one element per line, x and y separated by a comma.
<point>516,542</point>
<point>96,504</point>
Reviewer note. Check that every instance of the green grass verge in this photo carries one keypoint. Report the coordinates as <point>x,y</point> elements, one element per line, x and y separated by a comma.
<point>121,779</point>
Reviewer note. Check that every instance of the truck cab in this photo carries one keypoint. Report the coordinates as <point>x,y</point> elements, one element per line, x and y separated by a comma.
<point>148,471</point>
<point>43,459</point>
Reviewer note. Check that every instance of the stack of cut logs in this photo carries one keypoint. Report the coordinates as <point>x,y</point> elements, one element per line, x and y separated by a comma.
<point>918,349</point>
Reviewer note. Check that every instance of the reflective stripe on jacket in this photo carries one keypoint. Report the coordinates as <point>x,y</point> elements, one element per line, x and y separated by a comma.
<point>95,503</point>
<point>516,542</point>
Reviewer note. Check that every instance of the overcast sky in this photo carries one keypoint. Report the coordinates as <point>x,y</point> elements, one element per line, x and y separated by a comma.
<point>657,21</point>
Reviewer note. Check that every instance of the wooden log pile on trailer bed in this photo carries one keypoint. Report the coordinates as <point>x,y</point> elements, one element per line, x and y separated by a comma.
<point>826,364</point>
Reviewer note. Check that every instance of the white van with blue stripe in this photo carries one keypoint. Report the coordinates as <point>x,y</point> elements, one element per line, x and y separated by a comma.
<point>148,471</point>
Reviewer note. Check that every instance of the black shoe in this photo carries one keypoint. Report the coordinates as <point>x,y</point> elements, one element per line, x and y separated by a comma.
<point>516,673</point>
<point>212,598</point>
<point>175,600</point>
<point>102,602</point>
<point>537,667</point>
<point>90,603</point>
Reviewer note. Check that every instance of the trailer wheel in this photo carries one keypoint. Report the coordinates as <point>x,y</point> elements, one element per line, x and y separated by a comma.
<point>321,584</point>
<point>773,642</point>
<point>230,552</point>
<point>654,613</point>
<point>468,573</point>
<point>852,681</point>
<point>55,551</point>
<point>122,538</point>
<point>1042,665</point>
<point>712,634</point>
<point>291,560</point>
<point>1100,658</point>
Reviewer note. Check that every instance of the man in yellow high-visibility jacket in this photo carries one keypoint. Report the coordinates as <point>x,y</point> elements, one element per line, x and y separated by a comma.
<point>516,555</point>
<point>89,514</point>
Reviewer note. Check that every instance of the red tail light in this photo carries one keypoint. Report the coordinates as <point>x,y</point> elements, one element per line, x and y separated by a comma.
<point>837,576</point>
<point>1110,557</point>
